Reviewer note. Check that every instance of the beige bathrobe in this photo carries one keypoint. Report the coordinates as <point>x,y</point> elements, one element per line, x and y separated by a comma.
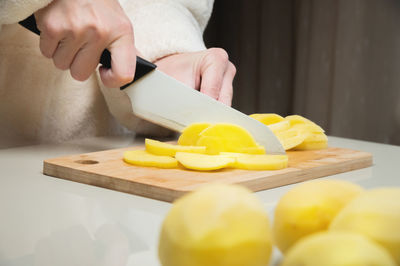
<point>39,103</point>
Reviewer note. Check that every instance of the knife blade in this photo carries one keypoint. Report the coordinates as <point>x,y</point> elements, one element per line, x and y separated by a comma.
<point>165,101</point>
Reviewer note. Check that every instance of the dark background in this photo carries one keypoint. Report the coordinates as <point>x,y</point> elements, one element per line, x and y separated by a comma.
<point>336,62</point>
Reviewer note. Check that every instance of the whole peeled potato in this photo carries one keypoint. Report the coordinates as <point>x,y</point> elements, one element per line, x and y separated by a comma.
<point>309,208</point>
<point>375,214</point>
<point>217,225</point>
<point>337,249</point>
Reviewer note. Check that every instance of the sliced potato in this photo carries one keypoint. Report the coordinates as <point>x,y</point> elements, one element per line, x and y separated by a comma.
<point>298,119</point>
<point>291,138</point>
<point>161,148</point>
<point>143,158</point>
<point>280,126</point>
<point>257,161</point>
<point>315,141</point>
<point>309,127</point>
<point>267,119</point>
<point>190,134</point>
<point>253,150</point>
<point>203,162</point>
<point>225,137</point>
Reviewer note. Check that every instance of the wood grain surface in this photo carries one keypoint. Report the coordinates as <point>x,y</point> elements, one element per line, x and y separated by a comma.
<point>107,169</point>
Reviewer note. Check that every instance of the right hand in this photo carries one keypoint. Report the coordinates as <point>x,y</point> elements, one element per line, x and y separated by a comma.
<point>74,33</point>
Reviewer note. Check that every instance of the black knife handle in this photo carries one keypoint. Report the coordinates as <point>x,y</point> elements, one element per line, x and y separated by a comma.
<point>142,66</point>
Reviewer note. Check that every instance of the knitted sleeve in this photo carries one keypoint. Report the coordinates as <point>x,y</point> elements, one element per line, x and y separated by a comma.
<point>12,11</point>
<point>161,28</point>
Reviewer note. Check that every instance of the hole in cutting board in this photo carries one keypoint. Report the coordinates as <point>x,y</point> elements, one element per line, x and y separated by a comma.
<point>86,162</point>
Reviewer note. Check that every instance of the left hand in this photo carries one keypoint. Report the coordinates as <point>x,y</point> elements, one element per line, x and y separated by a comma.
<point>208,71</point>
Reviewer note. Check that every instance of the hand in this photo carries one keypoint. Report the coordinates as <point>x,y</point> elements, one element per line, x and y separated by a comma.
<point>74,33</point>
<point>208,71</point>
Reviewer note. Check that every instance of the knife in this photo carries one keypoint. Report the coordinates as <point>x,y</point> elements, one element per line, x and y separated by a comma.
<point>159,98</point>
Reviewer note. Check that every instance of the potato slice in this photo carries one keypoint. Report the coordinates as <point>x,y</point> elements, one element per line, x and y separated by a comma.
<point>143,158</point>
<point>161,148</point>
<point>309,127</point>
<point>203,162</point>
<point>253,150</point>
<point>292,138</point>
<point>190,134</point>
<point>225,137</point>
<point>280,126</point>
<point>267,119</point>
<point>257,161</point>
<point>315,141</point>
<point>298,119</point>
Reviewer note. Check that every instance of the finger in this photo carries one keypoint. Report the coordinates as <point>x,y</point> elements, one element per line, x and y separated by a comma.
<point>123,63</point>
<point>226,93</point>
<point>66,51</point>
<point>211,79</point>
<point>85,61</point>
<point>48,45</point>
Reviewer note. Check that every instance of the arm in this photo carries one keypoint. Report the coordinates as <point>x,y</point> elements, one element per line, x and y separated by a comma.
<point>165,27</point>
<point>169,33</point>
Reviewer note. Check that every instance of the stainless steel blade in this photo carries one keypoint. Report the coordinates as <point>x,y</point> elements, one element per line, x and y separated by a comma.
<point>167,102</point>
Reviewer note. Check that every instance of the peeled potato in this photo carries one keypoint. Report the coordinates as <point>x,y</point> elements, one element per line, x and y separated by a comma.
<point>298,119</point>
<point>191,134</point>
<point>280,126</point>
<point>315,141</point>
<point>309,127</point>
<point>309,208</point>
<point>258,161</point>
<point>375,214</point>
<point>267,119</point>
<point>217,225</point>
<point>143,158</point>
<point>337,249</point>
<point>291,138</point>
<point>161,148</point>
<point>252,150</point>
<point>203,162</point>
<point>225,137</point>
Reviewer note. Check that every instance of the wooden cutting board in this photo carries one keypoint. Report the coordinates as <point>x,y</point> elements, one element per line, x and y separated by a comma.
<point>107,169</point>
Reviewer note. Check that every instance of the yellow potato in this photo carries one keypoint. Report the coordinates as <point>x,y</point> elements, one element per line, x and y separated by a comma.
<point>291,138</point>
<point>337,249</point>
<point>225,137</point>
<point>309,127</point>
<point>252,150</point>
<point>161,148</point>
<point>314,141</point>
<point>267,119</point>
<point>309,208</point>
<point>203,162</point>
<point>217,225</point>
<point>258,161</point>
<point>190,134</point>
<point>375,214</point>
<point>311,146</point>
<point>280,126</point>
<point>298,119</point>
<point>143,158</point>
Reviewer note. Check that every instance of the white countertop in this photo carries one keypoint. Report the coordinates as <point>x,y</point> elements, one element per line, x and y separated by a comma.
<point>48,221</point>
